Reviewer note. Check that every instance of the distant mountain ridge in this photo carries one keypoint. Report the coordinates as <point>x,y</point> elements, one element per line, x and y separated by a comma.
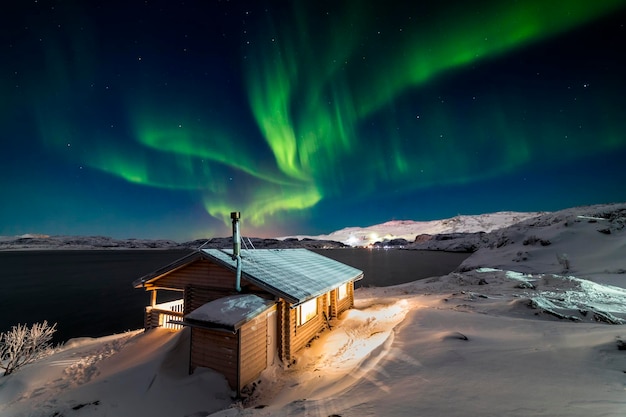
<point>46,242</point>
<point>349,236</point>
<point>409,229</point>
<point>463,233</point>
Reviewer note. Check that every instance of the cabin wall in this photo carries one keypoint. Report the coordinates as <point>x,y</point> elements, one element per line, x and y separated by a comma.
<point>200,272</point>
<point>253,351</point>
<point>283,315</point>
<point>196,296</point>
<point>339,306</point>
<point>296,337</point>
<point>217,350</point>
<point>333,310</point>
<point>240,356</point>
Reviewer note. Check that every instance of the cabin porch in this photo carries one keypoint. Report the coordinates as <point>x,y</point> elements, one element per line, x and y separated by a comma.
<point>163,314</point>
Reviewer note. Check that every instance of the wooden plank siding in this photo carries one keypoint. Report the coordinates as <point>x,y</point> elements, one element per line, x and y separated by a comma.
<point>333,310</point>
<point>240,356</point>
<point>197,296</point>
<point>200,272</point>
<point>283,314</point>
<point>339,306</point>
<point>296,337</point>
<point>253,348</point>
<point>217,350</point>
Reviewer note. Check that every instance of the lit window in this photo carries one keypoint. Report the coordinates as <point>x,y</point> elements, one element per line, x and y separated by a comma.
<point>307,311</point>
<point>342,292</point>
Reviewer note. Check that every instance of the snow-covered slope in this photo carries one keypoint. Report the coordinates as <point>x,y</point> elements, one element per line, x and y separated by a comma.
<point>586,241</point>
<point>409,229</point>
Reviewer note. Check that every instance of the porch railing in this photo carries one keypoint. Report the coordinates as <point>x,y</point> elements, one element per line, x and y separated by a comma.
<point>161,314</point>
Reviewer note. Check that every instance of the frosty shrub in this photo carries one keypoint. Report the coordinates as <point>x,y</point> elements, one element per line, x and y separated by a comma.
<point>22,345</point>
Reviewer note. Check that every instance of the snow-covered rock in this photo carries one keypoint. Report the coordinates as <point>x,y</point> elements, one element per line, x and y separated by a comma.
<point>586,241</point>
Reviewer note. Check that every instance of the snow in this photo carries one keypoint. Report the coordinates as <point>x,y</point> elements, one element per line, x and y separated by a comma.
<point>509,333</point>
<point>231,311</point>
<point>409,229</point>
<point>120,375</point>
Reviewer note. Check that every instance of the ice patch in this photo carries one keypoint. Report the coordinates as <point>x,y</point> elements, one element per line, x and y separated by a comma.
<point>568,295</point>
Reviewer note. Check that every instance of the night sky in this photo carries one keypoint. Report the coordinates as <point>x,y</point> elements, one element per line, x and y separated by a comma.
<point>156,119</point>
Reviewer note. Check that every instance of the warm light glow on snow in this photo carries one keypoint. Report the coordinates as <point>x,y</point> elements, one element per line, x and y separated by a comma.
<point>357,335</point>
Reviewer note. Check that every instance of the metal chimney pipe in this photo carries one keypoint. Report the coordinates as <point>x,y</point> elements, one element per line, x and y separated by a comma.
<point>235,215</point>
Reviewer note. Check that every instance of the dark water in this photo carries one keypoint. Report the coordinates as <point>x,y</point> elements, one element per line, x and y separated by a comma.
<point>385,267</point>
<point>89,293</point>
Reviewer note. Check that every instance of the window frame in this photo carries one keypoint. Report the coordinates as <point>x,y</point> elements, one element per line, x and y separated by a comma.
<point>303,317</point>
<point>342,292</point>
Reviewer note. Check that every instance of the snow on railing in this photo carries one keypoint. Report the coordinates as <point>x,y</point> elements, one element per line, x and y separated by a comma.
<point>176,305</point>
<point>163,313</point>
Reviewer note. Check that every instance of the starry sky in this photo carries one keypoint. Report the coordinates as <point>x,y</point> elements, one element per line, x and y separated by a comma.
<point>156,119</point>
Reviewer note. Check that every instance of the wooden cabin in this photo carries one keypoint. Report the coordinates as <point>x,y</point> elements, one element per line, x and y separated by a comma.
<point>282,299</point>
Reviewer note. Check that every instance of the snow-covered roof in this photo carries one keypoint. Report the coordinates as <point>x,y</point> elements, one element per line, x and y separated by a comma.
<point>230,312</point>
<point>296,275</point>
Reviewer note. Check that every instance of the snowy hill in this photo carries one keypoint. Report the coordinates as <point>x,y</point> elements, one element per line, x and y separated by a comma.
<point>45,242</point>
<point>409,229</point>
<point>586,241</point>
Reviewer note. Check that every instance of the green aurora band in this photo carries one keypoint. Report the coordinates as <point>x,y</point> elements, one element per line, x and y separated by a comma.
<point>313,98</point>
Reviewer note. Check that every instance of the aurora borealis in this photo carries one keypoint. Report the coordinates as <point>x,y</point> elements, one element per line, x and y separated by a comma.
<point>157,119</point>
